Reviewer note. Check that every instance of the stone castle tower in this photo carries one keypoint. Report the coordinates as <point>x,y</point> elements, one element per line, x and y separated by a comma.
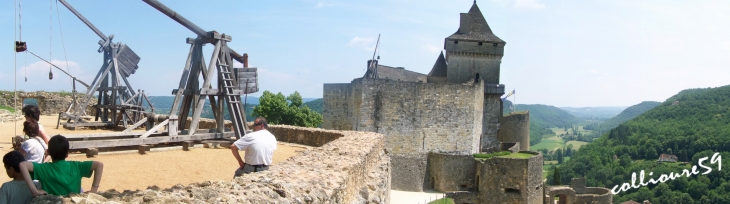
<point>474,52</point>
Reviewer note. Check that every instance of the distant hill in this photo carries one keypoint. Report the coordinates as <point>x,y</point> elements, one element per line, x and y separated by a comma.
<point>163,104</point>
<point>545,115</point>
<point>594,112</point>
<point>692,124</point>
<point>624,116</point>
<point>315,105</point>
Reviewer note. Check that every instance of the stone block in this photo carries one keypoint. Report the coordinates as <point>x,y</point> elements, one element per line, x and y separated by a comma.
<point>91,152</point>
<point>143,149</point>
<point>186,145</point>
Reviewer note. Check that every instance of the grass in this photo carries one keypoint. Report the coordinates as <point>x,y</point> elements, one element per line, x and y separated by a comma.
<point>12,110</point>
<point>442,201</point>
<point>550,143</point>
<point>519,155</point>
<point>487,156</point>
<point>576,144</point>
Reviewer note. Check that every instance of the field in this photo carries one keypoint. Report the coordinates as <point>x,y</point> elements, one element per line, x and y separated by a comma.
<point>550,143</point>
<point>161,168</point>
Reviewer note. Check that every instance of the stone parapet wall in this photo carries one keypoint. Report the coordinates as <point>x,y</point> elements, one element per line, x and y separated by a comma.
<point>515,127</point>
<point>351,169</point>
<point>410,172</point>
<point>452,172</point>
<point>308,136</point>
<point>504,179</point>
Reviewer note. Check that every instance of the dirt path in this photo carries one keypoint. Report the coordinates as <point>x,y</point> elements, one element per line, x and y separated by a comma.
<point>164,169</point>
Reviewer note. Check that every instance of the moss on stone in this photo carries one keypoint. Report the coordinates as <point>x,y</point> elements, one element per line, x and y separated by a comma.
<point>490,155</point>
<point>519,155</point>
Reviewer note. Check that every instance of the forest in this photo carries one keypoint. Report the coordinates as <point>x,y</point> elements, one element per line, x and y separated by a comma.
<point>692,124</point>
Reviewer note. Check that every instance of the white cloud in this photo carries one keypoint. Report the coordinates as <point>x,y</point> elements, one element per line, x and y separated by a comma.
<point>322,4</point>
<point>529,4</point>
<point>593,71</point>
<point>41,68</point>
<point>366,43</point>
<point>431,48</point>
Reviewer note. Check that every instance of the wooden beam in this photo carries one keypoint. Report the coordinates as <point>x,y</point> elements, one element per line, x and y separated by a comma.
<point>146,141</point>
<point>136,125</point>
<point>154,129</point>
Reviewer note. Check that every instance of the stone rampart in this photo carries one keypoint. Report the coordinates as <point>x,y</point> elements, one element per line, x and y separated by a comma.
<point>410,172</point>
<point>515,127</point>
<point>414,117</point>
<point>50,103</point>
<point>452,172</point>
<point>577,192</point>
<point>351,169</point>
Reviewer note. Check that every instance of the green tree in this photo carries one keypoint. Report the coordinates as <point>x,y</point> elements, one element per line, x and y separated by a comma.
<point>289,110</point>
<point>556,177</point>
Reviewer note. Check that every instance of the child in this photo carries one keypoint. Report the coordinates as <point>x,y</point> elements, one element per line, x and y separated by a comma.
<point>15,191</point>
<point>34,149</point>
<point>61,177</point>
<point>32,112</point>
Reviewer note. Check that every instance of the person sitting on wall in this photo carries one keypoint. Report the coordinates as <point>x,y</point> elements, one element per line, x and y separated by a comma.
<point>259,146</point>
<point>60,177</point>
<point>33,149</point>
<point>34,113</point>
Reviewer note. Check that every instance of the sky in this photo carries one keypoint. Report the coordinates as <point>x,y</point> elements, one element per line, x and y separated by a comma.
<point>560,53</point>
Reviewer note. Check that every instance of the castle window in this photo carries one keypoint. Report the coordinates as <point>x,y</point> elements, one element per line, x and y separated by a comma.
<point>511,190</point>
<point>495,44</point>
<point>480,43</point>
<point>456,42</point>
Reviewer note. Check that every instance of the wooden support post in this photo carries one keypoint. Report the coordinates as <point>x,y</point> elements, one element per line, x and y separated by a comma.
<point>91,152</point>
<point>187,144</point>
<point>143,149</point>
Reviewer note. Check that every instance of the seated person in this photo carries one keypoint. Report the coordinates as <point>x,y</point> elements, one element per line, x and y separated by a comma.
<point>33,149</point>
<point>61,177</point>
<point>259,146</point>
<point>34,113</point>
<point>15,191</point>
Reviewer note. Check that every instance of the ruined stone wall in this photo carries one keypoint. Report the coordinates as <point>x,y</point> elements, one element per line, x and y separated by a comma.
<point>510,180</point>
<point>50,103</point>
<point>450,172</point>
<point>596,195</point>
<point>492,112</point>
<point>515,127</point>
<point>351,169</point>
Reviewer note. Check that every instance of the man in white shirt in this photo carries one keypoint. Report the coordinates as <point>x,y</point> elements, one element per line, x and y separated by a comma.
<point>259,146</point>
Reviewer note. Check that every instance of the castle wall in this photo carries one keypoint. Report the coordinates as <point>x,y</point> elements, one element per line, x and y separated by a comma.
<point>515,127</point>
<point>336,106</point>
<point>410,172</point>
<point>350,169</point>
<point>415,117</point>
<point>492,112</point>
<point>463,67</point>
<point>510,180</point>
<point>450,172</point>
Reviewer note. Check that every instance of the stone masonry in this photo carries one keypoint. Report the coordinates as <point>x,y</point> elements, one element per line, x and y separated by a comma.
<point>50,103</point>
<point>350,168</point>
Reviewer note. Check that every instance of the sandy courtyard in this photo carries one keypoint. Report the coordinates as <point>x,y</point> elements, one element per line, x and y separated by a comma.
<point>161,168</point>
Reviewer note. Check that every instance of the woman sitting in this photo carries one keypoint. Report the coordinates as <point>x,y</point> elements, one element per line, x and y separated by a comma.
<point>33,149</point>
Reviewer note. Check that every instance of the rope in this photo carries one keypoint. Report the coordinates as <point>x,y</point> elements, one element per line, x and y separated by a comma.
<point>15,67</point>
<point>53,65</point>
<point>50,36</point>
<point>58,15</point>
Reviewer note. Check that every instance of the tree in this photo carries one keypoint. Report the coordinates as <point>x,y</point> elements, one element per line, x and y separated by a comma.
<point>556,177</point>
<point>560,156</point>
<point>278,109</point>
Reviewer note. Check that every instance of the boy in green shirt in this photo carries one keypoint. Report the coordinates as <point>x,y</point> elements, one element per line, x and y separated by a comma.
<point>60,177</point>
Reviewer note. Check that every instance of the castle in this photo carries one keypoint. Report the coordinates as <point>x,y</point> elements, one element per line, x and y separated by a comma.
<point>434,123</point>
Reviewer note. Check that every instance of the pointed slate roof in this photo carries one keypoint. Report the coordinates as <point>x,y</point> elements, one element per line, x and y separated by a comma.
<point>439,68</point>
<point>476,27</point>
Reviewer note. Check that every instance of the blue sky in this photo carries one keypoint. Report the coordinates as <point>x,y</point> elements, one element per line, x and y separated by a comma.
<point>577,53</point>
